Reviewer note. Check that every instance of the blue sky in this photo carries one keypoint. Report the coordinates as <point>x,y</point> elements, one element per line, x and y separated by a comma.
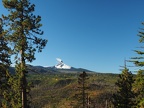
<point>93,34</point>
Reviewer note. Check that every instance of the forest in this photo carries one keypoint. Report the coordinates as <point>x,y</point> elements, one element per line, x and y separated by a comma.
<point>61,90</point>
<point>85,90</point>
<point>26,87</point>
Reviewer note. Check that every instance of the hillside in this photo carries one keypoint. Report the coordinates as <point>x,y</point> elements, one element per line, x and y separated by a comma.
<point>59,90</point>
<point>49,70</point>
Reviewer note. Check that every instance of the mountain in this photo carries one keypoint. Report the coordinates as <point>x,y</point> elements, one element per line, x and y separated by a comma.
<point>50,70</point>
<point>60,67</point>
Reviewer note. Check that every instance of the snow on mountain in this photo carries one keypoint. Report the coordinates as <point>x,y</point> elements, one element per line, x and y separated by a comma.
<point>61,64</point>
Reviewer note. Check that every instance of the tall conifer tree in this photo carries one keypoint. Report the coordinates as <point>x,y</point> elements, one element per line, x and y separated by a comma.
<point>139,62</point>
<point>124,96</point>
<point>23,28</point>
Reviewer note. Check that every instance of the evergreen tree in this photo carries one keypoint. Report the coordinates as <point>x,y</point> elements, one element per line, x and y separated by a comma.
<point>139,62</point>
<point>124,96</point>
<point>23,28</point>
<point>138,88</point>
<point>82,95</point>
<point>4,72</point>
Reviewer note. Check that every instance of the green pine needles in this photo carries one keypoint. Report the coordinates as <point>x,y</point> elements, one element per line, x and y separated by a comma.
<point>4,73</point>
<point>21,34</point>
<point>138,85</point>
<point>124,97</point>
<point>82,96</point>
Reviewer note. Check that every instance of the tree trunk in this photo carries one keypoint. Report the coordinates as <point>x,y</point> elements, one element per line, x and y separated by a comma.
<point>24,94</point>
<point>23,82</point>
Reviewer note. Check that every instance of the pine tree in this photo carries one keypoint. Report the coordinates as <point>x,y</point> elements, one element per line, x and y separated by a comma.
<point>23,28</point>
<point>139,62</point>
<point>82,95</point>
<point>124,96</point>
<point>4,72</point>
<point>138,88</point>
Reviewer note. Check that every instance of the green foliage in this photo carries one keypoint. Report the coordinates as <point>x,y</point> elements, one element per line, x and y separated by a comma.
<point>15,91</point>
<point>138,87</point>
<point>4,73</point>
<point>22,28</point>
<point>58,90</point>
<point>124,96</point>
<point>82,95</point>
<point>139,62</point>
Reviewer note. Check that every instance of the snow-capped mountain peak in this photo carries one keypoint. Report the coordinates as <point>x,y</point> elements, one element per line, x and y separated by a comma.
<point>61,64</point>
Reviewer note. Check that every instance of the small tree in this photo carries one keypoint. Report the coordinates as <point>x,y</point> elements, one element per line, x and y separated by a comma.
<point>123,98</point>
<point>82,95</point>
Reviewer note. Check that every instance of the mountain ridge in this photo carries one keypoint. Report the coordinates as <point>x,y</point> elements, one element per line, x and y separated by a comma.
<point>50,70</point>
<point>60,67</point>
